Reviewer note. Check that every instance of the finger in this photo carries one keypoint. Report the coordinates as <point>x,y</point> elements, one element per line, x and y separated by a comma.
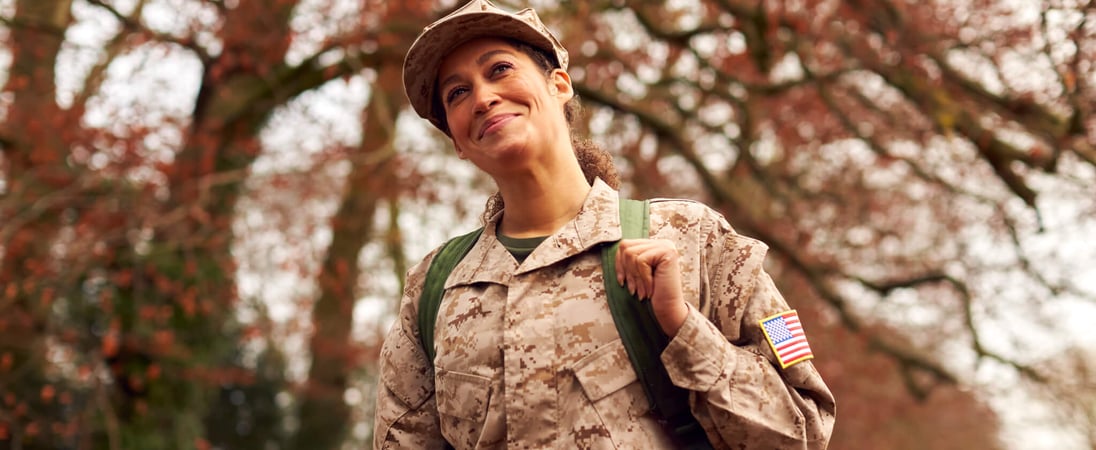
<point>625,264</point>
<point>637,265</point>
<point>619,265</point>
<point>647,279</point>
<point>650,258</point>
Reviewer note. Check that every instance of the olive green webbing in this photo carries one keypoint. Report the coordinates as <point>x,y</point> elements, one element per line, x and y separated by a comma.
<point>434,286</point>
<point>644,339</point>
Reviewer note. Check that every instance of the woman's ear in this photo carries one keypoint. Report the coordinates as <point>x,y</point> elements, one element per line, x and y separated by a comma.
<point>559,84</point>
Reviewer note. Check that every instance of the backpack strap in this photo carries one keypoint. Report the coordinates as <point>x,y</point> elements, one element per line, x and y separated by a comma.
<point>432,289</point>
<point>644,339</point>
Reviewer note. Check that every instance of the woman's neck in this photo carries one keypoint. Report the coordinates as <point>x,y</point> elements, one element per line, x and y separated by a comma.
<point>539,203</point>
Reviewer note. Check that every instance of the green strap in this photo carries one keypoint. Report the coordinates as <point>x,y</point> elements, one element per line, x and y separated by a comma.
<point>644,340</point>
<point>434,286</point>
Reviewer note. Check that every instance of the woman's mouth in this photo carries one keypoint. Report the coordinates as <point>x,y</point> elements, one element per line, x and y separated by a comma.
<point>494,124</point>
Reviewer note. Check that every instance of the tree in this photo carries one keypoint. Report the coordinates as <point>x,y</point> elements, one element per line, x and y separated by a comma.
<point>25,272</point>
<point>907,162</point>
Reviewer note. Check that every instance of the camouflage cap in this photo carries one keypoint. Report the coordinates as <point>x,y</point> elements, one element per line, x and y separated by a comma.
<point>477,18</point>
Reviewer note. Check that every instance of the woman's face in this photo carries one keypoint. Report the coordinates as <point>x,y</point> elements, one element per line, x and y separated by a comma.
<point>500,106</point>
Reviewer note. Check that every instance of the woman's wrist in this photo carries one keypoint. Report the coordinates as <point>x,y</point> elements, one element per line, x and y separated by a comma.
<point>671,316</point>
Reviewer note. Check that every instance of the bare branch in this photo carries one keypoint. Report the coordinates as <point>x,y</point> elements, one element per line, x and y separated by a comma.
<point>677,37</point>
<point>886,287</point>
<point>50,202</point>
<point>131,23</point>
<point>112,49</point>
<point>912,364</point>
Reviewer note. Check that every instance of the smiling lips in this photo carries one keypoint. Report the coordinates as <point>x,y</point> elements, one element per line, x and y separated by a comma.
<point>494,123</point>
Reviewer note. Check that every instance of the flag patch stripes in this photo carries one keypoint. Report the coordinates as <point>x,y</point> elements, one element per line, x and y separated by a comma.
<point>785,336</point>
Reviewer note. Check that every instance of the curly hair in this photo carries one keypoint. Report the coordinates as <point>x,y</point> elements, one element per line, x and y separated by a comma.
<point>595,161</point>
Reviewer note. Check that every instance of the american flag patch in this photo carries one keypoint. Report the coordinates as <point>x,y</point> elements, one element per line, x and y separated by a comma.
<point>785,335</point>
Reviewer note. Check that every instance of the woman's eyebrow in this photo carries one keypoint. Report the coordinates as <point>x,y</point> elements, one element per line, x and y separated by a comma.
<point>487,55</point>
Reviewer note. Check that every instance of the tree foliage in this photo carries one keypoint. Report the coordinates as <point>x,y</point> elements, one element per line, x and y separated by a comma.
<point>198,197</point>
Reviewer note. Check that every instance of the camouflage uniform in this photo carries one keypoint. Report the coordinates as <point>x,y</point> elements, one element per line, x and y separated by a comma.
<point>528,355</point>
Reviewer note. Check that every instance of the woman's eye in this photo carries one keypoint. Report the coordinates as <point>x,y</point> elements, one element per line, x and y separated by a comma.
<point>454,93</point>
<point>500,68</point>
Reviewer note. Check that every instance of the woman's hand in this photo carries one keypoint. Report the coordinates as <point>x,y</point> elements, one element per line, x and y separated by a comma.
<point>650,270</point>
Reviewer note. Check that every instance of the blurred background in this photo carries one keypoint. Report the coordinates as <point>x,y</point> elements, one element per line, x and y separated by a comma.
<point>207,206</point>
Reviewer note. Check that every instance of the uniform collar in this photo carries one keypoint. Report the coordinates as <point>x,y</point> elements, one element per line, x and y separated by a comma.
<point>597,222</point>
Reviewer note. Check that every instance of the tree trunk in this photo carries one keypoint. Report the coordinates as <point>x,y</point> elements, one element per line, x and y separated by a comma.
<point>34,139</point>
<point>169,368</point>
<point>324,415</point>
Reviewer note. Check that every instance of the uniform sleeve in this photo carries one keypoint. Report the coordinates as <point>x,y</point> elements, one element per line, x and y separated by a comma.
<point>741,395</point>
<point>406,415</point>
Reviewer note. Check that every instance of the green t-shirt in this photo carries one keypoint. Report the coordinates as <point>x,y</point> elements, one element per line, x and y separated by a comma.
<point>520,247</point>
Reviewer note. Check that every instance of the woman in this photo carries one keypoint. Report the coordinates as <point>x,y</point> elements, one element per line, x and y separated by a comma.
<point>527,354</point>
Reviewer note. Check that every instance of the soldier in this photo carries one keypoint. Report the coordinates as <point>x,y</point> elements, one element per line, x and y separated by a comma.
<point>527,354</point>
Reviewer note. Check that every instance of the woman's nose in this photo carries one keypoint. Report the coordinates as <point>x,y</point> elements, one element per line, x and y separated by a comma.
<point>485,98</point>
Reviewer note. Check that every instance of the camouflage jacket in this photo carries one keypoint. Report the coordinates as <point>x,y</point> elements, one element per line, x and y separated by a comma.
<point>528,355</point>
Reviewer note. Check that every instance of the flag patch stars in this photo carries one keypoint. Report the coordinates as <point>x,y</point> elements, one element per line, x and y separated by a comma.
<point>785,336</point>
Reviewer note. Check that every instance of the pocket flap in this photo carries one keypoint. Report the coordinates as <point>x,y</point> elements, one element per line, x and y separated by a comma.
<point>463,395</point>
<point>605,371</point>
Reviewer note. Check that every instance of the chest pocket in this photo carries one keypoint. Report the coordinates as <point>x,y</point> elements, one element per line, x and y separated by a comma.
<point>463,402</point>
<point>610,384</point>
